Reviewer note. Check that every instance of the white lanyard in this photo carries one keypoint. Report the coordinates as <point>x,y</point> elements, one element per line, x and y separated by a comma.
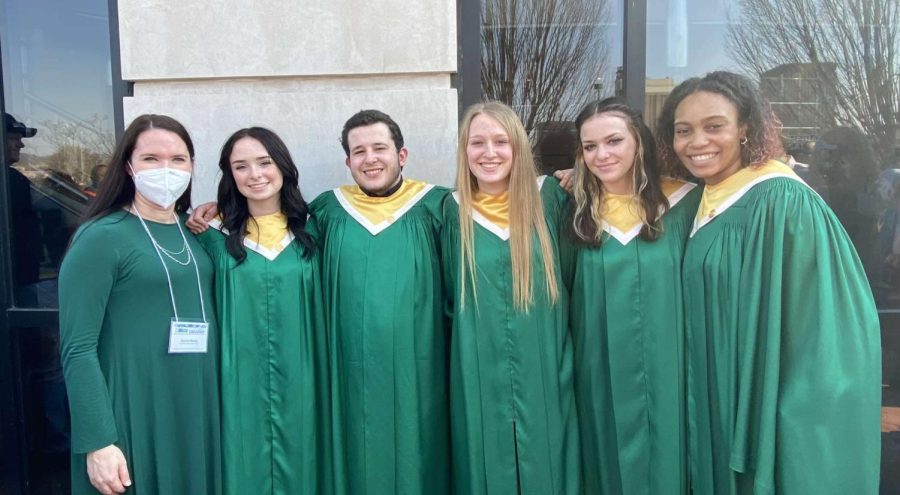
<point>166,269</point>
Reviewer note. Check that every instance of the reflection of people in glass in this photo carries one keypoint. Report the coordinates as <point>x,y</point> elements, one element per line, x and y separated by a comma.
<point>627,322</point>
<point>783,340</point>
<point>140,346</point>
<point>275,396</point>
<point>98,172</point>
<point>25,226</point>
<point>514,423</point>
<point>847,163</point>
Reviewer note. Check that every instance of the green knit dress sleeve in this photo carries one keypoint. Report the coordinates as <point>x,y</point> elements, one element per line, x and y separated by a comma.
<point>85,281</point>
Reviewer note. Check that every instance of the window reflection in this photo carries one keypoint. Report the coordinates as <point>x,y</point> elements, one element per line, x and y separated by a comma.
<point>546,59</point>
<point>58,121</point>
<point>45,408</point>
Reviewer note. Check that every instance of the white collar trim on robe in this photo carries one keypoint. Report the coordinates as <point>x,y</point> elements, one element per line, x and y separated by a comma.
<point>738,195</point>
<point>269,254</point>
<point>493,228</point>
<point>368,225</point>
<point>625,237</point>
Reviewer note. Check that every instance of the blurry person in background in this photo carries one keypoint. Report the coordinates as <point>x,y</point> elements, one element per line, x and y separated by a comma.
<point>98,172</point>
<point>26,243</point>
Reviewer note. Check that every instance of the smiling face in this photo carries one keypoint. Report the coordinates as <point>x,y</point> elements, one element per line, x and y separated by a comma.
<point>374,160</point>
<point>707,136</point>
<point>609,148</point>
<point>489,154</point>
<point>256,176</point>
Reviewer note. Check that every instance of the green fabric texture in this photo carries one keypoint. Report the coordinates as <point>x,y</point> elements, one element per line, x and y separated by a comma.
<point>384,305</point>
<point>513,407</point>
<point>160,409</point>
<point>275,388</point>
<point>628,330</point>
<point>784,358</point>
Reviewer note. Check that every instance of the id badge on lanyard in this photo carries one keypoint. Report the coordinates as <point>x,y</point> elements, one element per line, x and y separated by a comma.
<point>188,336</point>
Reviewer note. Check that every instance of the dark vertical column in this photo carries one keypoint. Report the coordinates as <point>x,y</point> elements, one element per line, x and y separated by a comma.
<point>12,456</point>
<point>120,88</point>
<point>468,49</point>
<point>635,56</point>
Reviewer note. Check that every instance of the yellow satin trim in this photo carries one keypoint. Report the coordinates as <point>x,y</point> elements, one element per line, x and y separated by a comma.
<point>377,210</point>
<point>268,231</point>
<point>623,211</point>
<point>715,195</point>
<point>494,208</point>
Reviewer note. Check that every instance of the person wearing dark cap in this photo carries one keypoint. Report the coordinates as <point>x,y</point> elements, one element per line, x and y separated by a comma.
<point>26,241</point>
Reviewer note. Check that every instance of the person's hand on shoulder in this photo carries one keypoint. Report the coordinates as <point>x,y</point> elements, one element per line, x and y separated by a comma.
<point>200,217</point>
<point>108,470</point>
<point>566,179</point>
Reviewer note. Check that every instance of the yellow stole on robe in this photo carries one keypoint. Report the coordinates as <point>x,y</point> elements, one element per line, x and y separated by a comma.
<point>717,198</point>
<point>267,235</point>
<point>494,209</point>
<point>621,213</point>
<point>378,213</point>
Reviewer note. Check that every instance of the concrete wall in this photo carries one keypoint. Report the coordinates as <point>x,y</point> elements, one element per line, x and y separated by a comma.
<point>300,68</point>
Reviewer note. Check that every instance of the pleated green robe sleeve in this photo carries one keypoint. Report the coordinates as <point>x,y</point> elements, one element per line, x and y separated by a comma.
<point>275,385</point>
<point>514,421</point>
<point>628,330</point>
<point>384,303</point>
<point>784,359</point>
<point>124,388</point>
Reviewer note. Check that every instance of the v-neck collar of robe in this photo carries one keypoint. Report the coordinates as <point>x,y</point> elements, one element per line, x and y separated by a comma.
<point>491,213</point>
<point>621,213</point>
<point>378,213</point>
<point>716,199</point>
<point>267,235</point>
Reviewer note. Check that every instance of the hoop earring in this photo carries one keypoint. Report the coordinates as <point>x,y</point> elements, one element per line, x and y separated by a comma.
<point>744,141</point>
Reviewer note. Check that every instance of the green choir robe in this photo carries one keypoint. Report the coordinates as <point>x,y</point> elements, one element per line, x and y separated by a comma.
<point>124,387</point>
<point>275,389</point>
<point>628,331</point>
<point>514,423</point>
<point>384,304</point>
<point>783,345</point>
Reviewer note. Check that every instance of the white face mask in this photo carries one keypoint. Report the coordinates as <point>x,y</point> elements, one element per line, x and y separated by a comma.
<point>162,186</point>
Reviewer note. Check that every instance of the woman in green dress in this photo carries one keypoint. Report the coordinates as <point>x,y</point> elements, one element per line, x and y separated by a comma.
<point>140,345</point>
<point>513,421</point>
<point>627,318</point>
<point>783,341</point>
<point>275,396</point>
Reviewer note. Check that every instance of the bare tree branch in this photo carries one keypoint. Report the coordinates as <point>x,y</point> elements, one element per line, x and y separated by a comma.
<point>852,45</point>
<point>542,57</point>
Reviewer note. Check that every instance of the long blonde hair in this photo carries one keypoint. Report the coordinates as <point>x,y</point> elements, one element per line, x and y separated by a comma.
<point>526,210</point>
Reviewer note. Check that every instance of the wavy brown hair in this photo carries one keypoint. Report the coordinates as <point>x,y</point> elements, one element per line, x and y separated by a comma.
<point>587,218</point>
<point>763,127</point>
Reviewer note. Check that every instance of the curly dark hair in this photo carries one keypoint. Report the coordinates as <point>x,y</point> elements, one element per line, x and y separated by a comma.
<point>233,205</point>
<point>763,136</point>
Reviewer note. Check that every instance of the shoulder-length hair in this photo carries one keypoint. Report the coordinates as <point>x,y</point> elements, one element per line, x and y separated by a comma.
<point>587,216</point>
<point>233,205</point>
<point>117,189</point>
<point>526,210</point>
<point>763,136</point>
